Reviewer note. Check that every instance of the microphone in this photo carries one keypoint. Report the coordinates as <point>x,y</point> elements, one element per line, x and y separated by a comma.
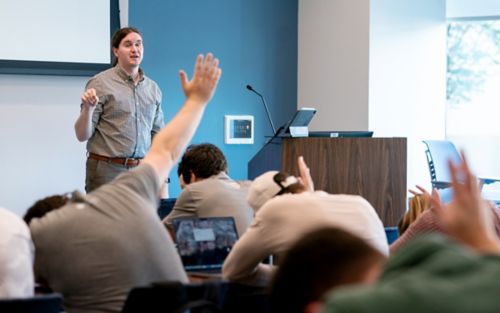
<point>265,106</point>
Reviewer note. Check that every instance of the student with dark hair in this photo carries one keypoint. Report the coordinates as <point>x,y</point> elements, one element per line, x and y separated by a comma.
<point>97,247</point>
<point>201,161</point>
<point>286,208</point>
<point>120,112</point>
<point>321,260</point>
<point>207,189</point>
<point>44,206</point>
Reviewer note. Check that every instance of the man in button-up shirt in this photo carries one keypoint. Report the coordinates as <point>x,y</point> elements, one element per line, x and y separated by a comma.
<point>120,112</point>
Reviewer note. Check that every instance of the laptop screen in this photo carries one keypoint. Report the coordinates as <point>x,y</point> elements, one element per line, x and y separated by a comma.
<point>204,243</point>
<point>301,118</point>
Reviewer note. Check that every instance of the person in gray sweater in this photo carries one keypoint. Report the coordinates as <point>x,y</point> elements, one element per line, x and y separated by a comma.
<point>207,189</point>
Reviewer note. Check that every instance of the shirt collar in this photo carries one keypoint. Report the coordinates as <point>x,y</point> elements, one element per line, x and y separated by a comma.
<point>126,77</point>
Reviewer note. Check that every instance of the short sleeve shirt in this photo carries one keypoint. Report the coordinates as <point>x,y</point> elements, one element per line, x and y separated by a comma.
<point>97,248</point>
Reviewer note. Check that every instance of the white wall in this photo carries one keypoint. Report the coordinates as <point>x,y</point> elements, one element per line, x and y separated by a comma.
<point>407,94</point>
<point>377,65</point>
<point>333,62</point>
<point>472,8</point>
<point>123,4</point>
<point>40,154</point>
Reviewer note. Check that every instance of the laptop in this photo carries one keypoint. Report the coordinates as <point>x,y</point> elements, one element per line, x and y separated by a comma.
<point>204,243</point>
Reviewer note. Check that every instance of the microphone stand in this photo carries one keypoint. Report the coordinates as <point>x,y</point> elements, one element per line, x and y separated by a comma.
<point>275,135</point>
<point>265,106</point>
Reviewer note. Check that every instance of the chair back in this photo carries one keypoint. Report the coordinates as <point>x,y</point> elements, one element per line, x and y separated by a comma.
<point>171,297</point>
<point>438,153</point>
<point>166,206</point>
<point>206,297</point>
<point>246,299</point>
<point>50,303</point>
<point>391,233</point>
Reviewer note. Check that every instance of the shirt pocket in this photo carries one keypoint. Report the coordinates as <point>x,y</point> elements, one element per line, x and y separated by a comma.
<point>147,111</point>
<point>118,107</point>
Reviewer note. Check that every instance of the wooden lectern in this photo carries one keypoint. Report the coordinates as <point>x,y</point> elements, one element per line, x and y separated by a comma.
<point>374,168</point>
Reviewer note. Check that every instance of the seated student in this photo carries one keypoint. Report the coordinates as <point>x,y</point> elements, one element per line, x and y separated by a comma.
<point>38,210</point>
<point>417,205</point>
<point>97,247</point>
<point>207,190</point>
<point>294,210</point>
<point>16,257</point>
<point>44,206</point>
<point>428,222</point>
<point>435,274</point>
<point>323,259</point>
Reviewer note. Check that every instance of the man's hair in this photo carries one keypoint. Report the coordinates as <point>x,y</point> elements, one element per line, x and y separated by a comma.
<point>319,261</point>
<point>44,206</point>
<point>118,37</point>
<point>203,160</point>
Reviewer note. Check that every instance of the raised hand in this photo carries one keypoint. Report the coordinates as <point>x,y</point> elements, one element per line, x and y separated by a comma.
<point>421,189</point>
<point>90,98</point>
<point>305,174</point>
<point>467,218</point>
<point>427,196</point>
<point>204,82</point>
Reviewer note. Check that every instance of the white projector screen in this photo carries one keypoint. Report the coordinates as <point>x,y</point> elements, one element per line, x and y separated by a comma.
<point>70,37</point>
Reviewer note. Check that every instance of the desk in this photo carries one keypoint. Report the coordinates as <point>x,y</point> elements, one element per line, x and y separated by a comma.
<point>374,168</point>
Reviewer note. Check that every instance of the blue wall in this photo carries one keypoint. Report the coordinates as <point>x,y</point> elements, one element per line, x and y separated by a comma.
<point>256,41</point>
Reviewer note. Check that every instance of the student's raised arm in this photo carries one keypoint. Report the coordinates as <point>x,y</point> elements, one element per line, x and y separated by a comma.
<point>468,218</point>
<point>168,144</point>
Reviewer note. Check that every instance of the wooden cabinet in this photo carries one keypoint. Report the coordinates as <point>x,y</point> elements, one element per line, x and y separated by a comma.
<point>374,168</point>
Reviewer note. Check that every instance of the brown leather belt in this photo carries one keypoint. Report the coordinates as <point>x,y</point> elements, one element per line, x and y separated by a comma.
<point>122,161</point>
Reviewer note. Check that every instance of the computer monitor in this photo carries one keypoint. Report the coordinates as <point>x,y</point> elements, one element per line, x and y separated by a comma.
<point>300,120</point>
<point>341,133</point>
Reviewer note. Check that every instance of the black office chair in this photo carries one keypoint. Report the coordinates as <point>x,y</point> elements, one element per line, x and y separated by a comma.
<point>50,303</point>
<point>171,297</point>
<point>438,153</point>
<point>241,298</point>
<point>166,206</point>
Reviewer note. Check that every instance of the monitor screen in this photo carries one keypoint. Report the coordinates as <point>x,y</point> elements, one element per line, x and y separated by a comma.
<point>301,118</point>
<point>53,37</point>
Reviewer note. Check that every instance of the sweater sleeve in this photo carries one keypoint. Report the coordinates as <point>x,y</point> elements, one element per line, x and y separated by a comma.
<point>425,224</point>
<point>243,262</point>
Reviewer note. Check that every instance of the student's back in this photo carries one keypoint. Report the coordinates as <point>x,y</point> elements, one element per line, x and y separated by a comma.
<point>16,257</point>
<point>217,196</point>
<point>95,250</point>
<point>284,219</point>
<point>207,189</point>
<point>430,274</point>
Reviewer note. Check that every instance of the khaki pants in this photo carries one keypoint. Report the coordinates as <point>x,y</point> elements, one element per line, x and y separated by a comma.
<point>101,172</point>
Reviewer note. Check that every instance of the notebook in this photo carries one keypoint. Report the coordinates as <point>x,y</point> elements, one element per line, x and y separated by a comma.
<point>204,243</point>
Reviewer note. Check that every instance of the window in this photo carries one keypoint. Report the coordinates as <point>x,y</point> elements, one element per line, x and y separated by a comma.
<point>473,92</point>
